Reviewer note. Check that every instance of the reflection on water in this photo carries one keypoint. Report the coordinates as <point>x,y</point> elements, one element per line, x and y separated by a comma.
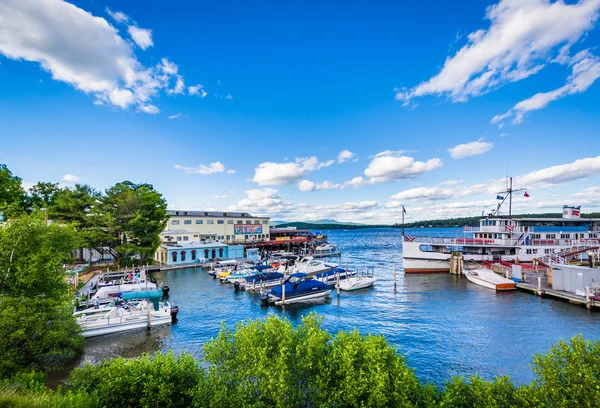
<point>442,323</point>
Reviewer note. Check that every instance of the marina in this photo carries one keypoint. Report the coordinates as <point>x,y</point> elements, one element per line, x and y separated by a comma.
<point>442,322</point>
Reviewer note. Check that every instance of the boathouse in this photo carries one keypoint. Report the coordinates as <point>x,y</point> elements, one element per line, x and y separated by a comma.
<point>197,252</point>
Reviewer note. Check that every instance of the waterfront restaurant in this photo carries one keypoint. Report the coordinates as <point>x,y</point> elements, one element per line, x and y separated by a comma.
<point>197,252</point>
<point>202,226</point>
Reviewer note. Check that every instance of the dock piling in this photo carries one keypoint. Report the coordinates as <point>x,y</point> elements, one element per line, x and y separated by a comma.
<point>588,302</point>
<point>539,285</point>
<point>282,293</point>
<point>337,285</point>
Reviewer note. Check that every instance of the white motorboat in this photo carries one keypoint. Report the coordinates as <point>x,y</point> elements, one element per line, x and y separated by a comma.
<point>331,277</point>
<point>309,266</point>
<point>489,279</point>
<point>356,283</point>
<point>146,312</point>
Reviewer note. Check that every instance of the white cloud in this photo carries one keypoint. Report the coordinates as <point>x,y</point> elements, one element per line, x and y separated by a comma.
<point>585,71</point>
<point>425,193</point>
<point>470,149</point>
<point>149,108</point>
<point>178,115</point>
<point>277,174</point>
<point>307,185</point>
<point>197,90</point>
<point>118,16</point>
<point>356,182</point>
<point>390,166</point>
<point>264,201</point>
<point>141,36</point>
<point>83,51</point>
<point>212,168</point>
<point>220,197</point>
<point>179,86</point>
<point>523,36</point>
<point>345,155</point>
<point>228,96</point>
<point>563,173</point>
<point>70,178</point>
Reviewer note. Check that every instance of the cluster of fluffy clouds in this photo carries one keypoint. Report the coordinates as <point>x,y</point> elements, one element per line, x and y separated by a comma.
<point>212,168</point>
<point>523,37</point>
<point>89,53</point>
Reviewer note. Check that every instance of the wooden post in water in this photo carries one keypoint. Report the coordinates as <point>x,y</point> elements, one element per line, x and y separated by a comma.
<point>539,285</point>
<point>588,301</point>
<point>337,285</point>
<point>149,316</point>
<point>282,293</point>
<point>394,276</point>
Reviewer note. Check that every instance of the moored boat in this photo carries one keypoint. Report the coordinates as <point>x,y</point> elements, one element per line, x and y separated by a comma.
<point>489,279</point>
<point>356,283</point>
<point>143,309</point>
<point>331,277</point>
<point>297,291</point>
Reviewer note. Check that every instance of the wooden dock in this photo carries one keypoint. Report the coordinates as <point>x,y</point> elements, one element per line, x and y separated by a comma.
<point>537,283</point>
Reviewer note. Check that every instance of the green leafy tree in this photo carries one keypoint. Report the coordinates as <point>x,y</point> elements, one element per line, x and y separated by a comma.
<point>475,392</point>
<point>42,195</point>
<point>568,375</point>
<point>37,329</point>
<point>12,195</point>
<point>139,215</point>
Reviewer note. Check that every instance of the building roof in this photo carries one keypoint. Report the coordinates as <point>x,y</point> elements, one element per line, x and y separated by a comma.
<point>286,230</point>
<point>186,213</point>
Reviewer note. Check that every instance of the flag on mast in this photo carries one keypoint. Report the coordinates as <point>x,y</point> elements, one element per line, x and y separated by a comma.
<point>526,194</point>
<point>499,197</point>
<point>403,210</point>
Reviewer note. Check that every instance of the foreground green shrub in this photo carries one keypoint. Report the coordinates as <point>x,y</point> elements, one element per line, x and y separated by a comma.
<point>568,375</point>
<point>272,364</point>
<point>160,381</point>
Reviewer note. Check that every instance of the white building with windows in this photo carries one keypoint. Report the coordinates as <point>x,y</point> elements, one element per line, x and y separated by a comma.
<point>206,226</point>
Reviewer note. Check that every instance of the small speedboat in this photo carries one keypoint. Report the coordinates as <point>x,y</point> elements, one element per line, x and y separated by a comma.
<point>356,283</point>
<point>489,279</point>
<point>297,291</point>
<point>106,294</point>
<point>331,277</point>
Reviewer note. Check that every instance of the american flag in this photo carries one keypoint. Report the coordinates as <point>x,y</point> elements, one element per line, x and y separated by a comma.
<point>467,228</point>
<point>409,238</point>
<point>509,228</point>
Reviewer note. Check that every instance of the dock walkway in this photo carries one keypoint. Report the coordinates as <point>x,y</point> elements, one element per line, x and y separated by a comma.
<point>530,284</point>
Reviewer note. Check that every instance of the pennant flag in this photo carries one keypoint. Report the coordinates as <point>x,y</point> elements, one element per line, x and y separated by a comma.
<point>403,210</point>
<point>526,194</point>
<point>499,197</point>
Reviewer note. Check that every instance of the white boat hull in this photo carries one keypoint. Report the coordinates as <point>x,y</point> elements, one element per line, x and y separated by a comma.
<point>356,283</point>
<point>489,279</point>
<point>305,298</point>
<point>124,326</point>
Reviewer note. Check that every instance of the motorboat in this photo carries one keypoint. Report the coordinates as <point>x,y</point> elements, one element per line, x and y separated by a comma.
<point>142,309</point>
<point>297,291</point>
<point>106,294</point>
<point>240,274</point>
<point>325,250</point>
<point>260,280</point>
<point>331,277</point>
<point>489,279</point>
<point>356,283</point>
<point>309,266</point>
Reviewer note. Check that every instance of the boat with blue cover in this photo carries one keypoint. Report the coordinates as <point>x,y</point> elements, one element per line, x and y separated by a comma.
<point>295,291</point>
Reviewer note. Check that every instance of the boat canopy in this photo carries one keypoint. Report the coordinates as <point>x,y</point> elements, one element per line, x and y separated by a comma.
<point>300,288</point>
<point>260,277</point>
<point>152,295</point>
<point>331,272</point>
<point>261,268</point>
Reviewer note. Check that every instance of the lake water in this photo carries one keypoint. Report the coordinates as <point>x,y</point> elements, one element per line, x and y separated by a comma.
<point>443,324</point>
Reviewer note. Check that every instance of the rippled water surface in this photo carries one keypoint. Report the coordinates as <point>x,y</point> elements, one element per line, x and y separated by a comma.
<point>443,324</point>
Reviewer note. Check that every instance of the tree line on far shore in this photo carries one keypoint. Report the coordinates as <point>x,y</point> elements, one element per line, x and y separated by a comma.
<point>125,220</point>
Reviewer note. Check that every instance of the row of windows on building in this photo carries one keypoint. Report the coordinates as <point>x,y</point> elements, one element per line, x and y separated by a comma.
<point>563,236</point>
<point>207,254</point>
<point>220,222</point>
<point>491,223</point>
<point>229,237</point>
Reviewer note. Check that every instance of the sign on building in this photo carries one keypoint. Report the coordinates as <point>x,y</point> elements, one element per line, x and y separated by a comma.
<point>242,229</point>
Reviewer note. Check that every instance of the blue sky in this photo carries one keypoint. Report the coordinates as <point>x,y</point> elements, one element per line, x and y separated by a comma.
<point>248,105</point>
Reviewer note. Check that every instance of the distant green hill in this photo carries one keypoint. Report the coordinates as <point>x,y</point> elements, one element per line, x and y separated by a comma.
<point>474,221</point>
<point>326,227</point>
